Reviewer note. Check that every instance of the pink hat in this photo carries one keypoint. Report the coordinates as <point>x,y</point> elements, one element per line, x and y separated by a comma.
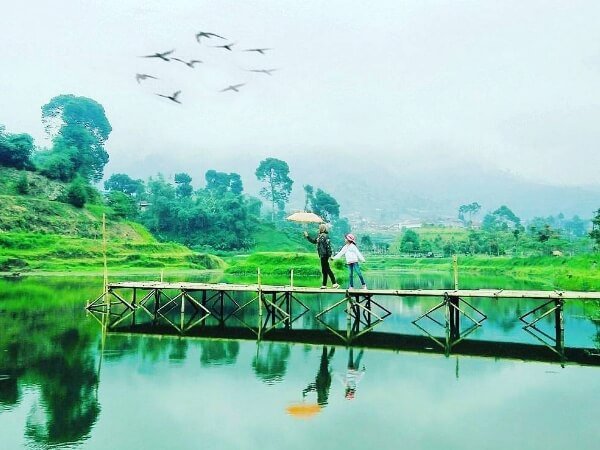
<point>350,237</point>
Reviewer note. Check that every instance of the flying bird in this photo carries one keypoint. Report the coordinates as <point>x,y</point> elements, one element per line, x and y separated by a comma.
<point>172,97</point>
<point>227,46</point>
<point>233,87</point>
<point>265,71</point>
<point>206,34</point>
<point>258,50</point>
<point>190,63</point>
<point>162,56</point>
<point>142,76</point>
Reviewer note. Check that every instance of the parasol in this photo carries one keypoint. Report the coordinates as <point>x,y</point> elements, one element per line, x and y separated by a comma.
<point>304,217</point>
<point>303,410</point>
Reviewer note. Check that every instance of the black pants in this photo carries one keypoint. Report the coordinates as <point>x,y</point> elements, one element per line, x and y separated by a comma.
<point>326,270</point>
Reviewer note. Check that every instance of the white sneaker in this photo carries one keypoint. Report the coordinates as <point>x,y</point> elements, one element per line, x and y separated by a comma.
<point>323,287</point>
<point>335,286</point>
<point>364,286</point>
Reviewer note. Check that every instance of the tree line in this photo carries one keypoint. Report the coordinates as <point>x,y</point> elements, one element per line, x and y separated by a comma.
<point>219,215</point>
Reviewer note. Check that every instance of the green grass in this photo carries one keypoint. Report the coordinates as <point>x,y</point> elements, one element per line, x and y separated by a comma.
<point>277,263</point>
<point>23,252</point>
<point>567,273</point>
<point>267,238</point>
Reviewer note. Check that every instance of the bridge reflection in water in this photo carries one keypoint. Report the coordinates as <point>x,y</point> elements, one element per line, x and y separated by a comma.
<point>272,313</point>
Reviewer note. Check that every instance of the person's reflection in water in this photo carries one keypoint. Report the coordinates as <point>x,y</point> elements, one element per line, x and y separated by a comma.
<point>322,381</point>
<point>353,374</point>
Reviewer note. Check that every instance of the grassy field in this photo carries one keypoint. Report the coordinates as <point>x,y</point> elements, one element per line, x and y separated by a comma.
<point>25,252</point>
<point>576,273</point>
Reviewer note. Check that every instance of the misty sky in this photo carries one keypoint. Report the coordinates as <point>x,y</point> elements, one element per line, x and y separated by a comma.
<point>513,85</point>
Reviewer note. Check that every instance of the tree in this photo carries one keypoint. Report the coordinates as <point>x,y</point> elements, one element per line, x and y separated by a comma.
<point>409,242</point>
<point>123,205</point>
<point>221,182</point>
<point>325,206</point>
<point>184,188</point>
<point>275,173</point>
<point>595,233</point>
<point>15,150</point>
<point>124,183</point>
<point>79,123</point>
<point>501,220</point>
<point>308,197</point>
<point>471,209</point>
<point>366,242</point>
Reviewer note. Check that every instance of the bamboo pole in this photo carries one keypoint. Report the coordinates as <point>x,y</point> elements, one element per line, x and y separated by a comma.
<point>104,253</point>
<point>455,267</point>
<point>259,294</point>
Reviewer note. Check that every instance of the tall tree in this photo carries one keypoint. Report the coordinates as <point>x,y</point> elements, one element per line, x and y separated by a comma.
<point>595,233</point>
<point>309,193</point>
<point>275,173</point>
<point>325,206</point>
<point>184,187</point>
<point>471,209</point>
<point>80,124</point>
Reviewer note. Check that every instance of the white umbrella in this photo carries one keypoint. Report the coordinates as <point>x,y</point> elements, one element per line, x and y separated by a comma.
<point>304,217</point>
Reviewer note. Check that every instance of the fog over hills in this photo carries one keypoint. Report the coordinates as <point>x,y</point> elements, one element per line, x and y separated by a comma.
<point>392,190</point>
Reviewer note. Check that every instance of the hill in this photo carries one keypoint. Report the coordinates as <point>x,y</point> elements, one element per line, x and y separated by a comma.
<point>38,232</point>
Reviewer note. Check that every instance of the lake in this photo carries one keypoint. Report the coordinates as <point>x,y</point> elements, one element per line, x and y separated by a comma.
<point>66,384</point>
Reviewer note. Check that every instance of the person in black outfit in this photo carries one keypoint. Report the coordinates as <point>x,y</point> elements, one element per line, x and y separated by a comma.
<point>324,251</point>
<point>322,382</point>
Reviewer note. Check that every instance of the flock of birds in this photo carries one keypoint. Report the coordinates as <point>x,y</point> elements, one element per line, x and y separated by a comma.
<point>167,57</point>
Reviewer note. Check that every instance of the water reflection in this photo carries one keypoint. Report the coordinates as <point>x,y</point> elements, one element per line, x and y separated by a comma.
<point>354,373</point>
<point>270,362</point>
<point>218,352</point>
<point>55,393</point>
<point>322,381</point>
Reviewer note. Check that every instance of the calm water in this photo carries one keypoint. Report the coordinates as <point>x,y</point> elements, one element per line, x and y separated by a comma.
<point>65,385</point>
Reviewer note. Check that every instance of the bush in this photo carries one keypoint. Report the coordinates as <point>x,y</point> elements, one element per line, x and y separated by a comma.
<point>77,193</point>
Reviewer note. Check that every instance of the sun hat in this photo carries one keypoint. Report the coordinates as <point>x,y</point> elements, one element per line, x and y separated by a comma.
<point>350,237</point>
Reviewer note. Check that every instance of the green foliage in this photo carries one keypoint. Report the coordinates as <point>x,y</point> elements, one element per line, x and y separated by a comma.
<point>275,173</point>
<point>409,242</point>
<point>77,193</point>
<point>58,164</point>
<point>15,150</point>
<point>79,128</point>
<point>595,233</point>
<point>501,219</point>
<point>471,209</point>
<point>122,205</point>
<point>22,185</point>
<point>217,216</point>
<point>325,206</point>
<point>121,182</point>
<point>184,188</point>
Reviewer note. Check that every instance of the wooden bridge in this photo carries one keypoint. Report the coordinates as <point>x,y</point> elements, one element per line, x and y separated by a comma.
<point>185,306</point>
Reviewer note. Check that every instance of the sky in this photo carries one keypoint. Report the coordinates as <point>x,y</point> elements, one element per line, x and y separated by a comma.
<point>509,85</point>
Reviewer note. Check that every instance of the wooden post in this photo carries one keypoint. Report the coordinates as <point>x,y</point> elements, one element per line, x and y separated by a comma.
<point>182,314</point>
<point>560,327</point>
<point>105,274</point>
<point>455,267</point>
<point>292,278</point>
<point>259,295</point>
